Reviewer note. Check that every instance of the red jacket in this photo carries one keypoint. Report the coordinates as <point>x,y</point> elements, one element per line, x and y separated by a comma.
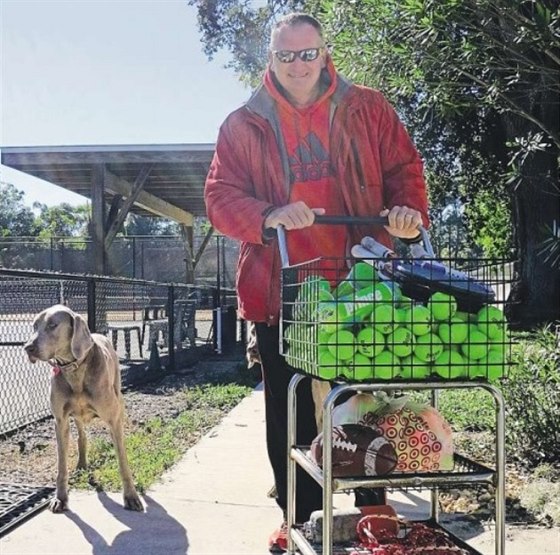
<point>374,161</point>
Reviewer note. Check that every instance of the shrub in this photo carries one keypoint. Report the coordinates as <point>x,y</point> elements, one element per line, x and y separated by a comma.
<point>532,399</point>
<point>541,496</point>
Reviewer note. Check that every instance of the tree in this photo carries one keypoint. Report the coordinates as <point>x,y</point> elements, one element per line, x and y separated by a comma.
<point>144,225</point>
<point>16,219</point>
<point>477,83</point>
<point>488,73</point>
<point>63,220</point>
<point>241,28</point>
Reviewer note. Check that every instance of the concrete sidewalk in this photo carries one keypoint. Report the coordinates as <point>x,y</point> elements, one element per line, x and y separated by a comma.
<point>213,502</point>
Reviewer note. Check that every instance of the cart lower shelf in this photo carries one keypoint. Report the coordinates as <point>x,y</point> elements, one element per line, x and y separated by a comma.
<point>465,471</point>
<point>307,548</point>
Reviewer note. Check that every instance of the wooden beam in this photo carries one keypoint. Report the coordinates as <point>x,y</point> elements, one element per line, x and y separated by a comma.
<point>98,175</point>
<point>148,202</point>
<point>113,211</point>
<point>202,247</point>
<point>187,236</point>
<point>130,200</point>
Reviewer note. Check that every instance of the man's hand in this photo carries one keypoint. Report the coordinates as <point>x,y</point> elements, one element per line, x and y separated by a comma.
<point>403,222</point>
<point>292,216</point>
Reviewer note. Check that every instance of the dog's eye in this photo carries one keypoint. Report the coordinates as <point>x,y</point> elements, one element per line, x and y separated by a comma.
<point>51,325</point>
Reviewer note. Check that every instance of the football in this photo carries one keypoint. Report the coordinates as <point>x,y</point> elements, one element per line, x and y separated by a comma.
<point>357,451</point>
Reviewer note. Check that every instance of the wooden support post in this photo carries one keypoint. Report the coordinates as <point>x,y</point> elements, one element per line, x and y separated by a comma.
<point>187,236</point>
<point>98,218</point>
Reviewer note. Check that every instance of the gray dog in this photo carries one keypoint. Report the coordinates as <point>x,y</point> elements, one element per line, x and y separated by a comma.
<point>86,383</point>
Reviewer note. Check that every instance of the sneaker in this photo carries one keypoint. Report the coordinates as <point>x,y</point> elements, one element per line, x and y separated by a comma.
<point>278,541</point>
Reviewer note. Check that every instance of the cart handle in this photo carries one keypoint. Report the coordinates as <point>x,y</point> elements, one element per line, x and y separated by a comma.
<point>344,220</point>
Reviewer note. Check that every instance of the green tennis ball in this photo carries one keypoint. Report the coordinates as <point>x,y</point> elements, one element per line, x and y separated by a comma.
<point>396,293</point>
<point>418,319</point>
<point>450,364</point>
<point>491,367</point>
<point>406,302</point>
<point>364,274</point>
<point>370,342</point>
<point>330,316</point>
<point>328,365</point>
<point>490,320</point>
<point>383,292</point>
<point>428,347</point>
<point>360,368</point>
<point>442,306</point>
<point>414,368</point>
<point>382,318</point>
<point>386,366</point>
<point>476,345</point>
<point>400,316</point>
<point>400,342</point>
<point>342,344</point>
<point>454,332</point>
<point>322,337</point>
<point>464,316</point>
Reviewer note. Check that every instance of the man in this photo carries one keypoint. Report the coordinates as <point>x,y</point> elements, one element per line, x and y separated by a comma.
<point>308,142</point>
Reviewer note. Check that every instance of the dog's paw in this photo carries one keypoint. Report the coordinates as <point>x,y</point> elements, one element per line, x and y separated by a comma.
<point>133,503</point>
<point>58,505</point>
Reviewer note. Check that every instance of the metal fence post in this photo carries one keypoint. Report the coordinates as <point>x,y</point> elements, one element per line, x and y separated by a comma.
<point>171,327</point>
<point>91,305</point>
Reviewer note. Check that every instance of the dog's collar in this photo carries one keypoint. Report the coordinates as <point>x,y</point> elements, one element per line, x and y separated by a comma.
<point>60,368</point>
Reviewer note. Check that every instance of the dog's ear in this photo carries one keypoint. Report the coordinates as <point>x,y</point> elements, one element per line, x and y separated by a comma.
<point>82,341</point>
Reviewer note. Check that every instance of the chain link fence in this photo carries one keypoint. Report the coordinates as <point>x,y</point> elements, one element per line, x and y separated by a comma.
<point>154,327</point>
<point>161,258</point>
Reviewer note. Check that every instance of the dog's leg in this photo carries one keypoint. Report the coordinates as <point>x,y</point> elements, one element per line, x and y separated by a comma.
<point>62,429</point>
<point>82,445</point>
<point>131,499</point>
<point>319,390</point>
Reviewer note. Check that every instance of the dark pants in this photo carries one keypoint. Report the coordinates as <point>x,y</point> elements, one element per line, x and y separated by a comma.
<point>276,377</point>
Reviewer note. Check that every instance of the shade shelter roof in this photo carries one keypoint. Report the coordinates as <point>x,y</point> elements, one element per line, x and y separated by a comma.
<point>173,187</point>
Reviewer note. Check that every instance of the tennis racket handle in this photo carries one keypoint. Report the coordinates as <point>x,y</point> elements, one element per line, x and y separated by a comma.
<point>376,248</point>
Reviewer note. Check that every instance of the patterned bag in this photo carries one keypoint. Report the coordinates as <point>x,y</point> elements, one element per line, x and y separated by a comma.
<point>420,436</point>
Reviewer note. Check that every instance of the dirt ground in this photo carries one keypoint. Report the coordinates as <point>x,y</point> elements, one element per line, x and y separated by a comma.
<point>28,456</point>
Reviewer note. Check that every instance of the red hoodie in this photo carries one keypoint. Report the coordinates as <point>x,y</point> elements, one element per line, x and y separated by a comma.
<point>307,138</point>
<point>373,160</point>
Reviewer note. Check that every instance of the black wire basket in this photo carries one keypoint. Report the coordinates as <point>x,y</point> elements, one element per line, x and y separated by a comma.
<point>396,318</point>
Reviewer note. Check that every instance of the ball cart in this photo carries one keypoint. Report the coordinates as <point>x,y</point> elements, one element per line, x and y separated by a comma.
<point>431,324</point>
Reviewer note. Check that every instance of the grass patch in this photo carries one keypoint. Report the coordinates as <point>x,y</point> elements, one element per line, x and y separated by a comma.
<point>158,444</point>
<point>468,409</point>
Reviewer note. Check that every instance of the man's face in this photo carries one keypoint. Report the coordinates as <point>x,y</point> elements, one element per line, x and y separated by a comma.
<point>299,78</point>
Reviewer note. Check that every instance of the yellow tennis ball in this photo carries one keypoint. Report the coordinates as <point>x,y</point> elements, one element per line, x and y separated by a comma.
<point>428,347</point>
<point>475,346</point>
<point>360,368</point>
<point>342,344</point>
<point>450,364</point>
<point>370,342</point>
<point>454,332</point>
<point>491,367</point>
<point>414,368</point>
<point>328,365</point>
<point>442,306</point>
<point>490,320</point>
<point>386,366</point>
<point>418,319</point>
<point>400,342</point>
<point>382,318</point>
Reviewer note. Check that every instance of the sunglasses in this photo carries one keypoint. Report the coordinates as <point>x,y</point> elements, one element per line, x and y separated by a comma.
<point>307,55</point>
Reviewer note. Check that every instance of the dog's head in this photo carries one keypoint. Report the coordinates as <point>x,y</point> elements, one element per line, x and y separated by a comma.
<point>58,333</point>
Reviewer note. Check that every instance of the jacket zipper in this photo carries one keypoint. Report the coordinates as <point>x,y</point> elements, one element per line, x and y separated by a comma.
<point>359,171</point>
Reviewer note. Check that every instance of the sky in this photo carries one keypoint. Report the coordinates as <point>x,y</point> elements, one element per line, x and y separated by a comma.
<point>87,72</point>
